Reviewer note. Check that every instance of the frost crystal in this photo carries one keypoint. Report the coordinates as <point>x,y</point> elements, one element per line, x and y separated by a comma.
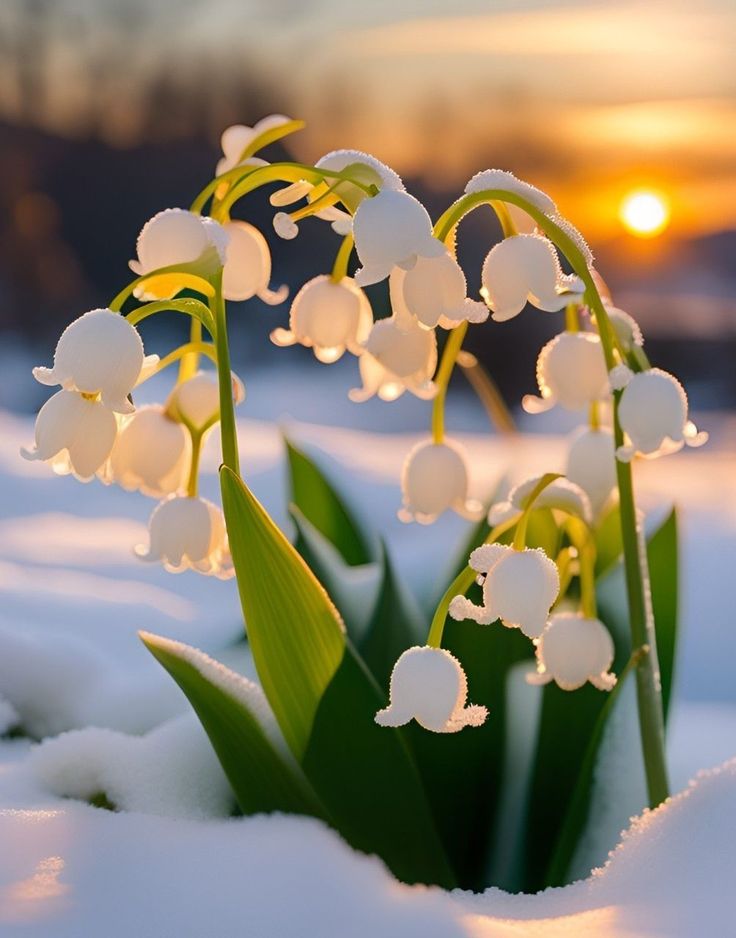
<point>429,685</point>
<point>501,179</point>
<point>573,650</point>
<point>433,480</point>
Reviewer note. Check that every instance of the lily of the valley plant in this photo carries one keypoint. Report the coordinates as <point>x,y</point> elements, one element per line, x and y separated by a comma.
<point>395,729</point>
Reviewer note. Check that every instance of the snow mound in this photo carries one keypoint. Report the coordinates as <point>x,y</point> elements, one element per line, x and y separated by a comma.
<point>171,771</point>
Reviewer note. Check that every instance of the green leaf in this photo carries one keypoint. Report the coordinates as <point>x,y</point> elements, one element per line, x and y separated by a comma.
<point>662,554</point>
<point>321,505</point>
<point>609,544</point>
<point>262,778</point>
<point>396,623</point>
<point>325,699</point>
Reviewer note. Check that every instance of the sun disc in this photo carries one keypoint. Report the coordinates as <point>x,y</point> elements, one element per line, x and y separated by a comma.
<point>645,213</point>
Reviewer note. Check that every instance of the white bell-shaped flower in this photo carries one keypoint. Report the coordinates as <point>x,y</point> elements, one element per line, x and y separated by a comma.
<point>434,292</point>
<point>573,650</point>
<point>561,494</point>
<point>571,372</point>
<point>247,269</point>
<point>525,268</point>
<point>99,353</point>
<point>519,588</point>
<point>592,466</point>
<point>151,454</point>
<point>397,359</point>
<point>502,179</point>
<point>364,169</point>
<point>74,433</point>
<point>196,401</point>
<point>392,229</point>
<point>328,317</point>
<point>188,534</point>
<point>177,237</point>
<point>433,480</point>
<point>626,328</point>
<point>238,137</point>
<point>653,414</point>
<point>429,685</point>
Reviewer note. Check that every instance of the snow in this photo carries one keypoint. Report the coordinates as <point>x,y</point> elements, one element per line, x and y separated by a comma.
<point>74,673</point>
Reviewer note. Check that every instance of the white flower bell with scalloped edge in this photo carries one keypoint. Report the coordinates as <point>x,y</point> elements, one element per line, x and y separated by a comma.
<point>525,268</point>
<point>434,292</point>
<point>627,329</point>
<point>392,229</point>
<point>328,317</point>
<point>429,685</point>
<point>653,413</point>
<point>591,465</point>
<point>188,534</point>
<point>573,650</point>
<point>571,372</point>
<point>196,401</point>
<point>561,494</point>
<point>433,480</point>
<point>247,269</point>
<point>520,587</point>
<point>100,353</point>
<point>238,137</point>
<point>151,454</point>
<point>397,359</point>
<point>74,433</point>
<point>178,237</point>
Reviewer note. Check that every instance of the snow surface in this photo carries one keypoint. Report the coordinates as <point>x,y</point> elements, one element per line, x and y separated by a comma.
<point>74,673</point>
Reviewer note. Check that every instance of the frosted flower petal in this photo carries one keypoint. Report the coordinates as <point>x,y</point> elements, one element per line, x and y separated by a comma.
<point>429,685</point>
<point>435,479</point>
<point>188,534</point>
<point>364,168</point>
<point>501,179</point>
<point>525,268</point>
<point>573,650</point>
<point>99,353</point>
<point>571,371</point>
<point>237,137</point>
<point>562,494</point>
<point>392,229</point>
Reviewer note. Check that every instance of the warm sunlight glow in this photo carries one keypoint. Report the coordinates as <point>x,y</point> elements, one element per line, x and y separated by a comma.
<point>644,213</point>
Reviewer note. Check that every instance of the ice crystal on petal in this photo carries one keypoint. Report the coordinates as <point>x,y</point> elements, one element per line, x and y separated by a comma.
<point>571,372</point>
<point>519,589</point>
<point>525,268</point>
<point>573,650</point>
<point>397,358</point>
<point>329,317</point>
<point>151,454</point>
<point>626,328</point>
<point>501,179</point>
<point>99,353</point>
<point>429,685</point>
<point>364,168</point>
<point>247,269</point>
<point>392,229</point>
<point>591,465</point>
<point>188,534</point>
<point>433,480</point>
<point>74,433</point>
<point>434,291</point>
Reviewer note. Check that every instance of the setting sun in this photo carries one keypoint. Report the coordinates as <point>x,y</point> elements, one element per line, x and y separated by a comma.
<point>644,213</point>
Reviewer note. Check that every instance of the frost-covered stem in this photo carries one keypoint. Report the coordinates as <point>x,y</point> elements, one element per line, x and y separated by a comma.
<point>228,431</point>
<point>340,267</point>
<point>649,697</point>
<point>442,379</point>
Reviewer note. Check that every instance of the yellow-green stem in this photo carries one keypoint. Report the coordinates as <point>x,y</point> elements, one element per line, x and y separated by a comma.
<point>228,429</point>
<point>340,267</point>
<point>193,482</point>
<point>189,363</point>
<point>442,379</point>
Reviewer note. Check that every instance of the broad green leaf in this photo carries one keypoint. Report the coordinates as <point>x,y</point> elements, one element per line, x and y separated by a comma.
<point>662,553</point>
<point>263,778</point>
<point>396,623</point>
<point>324,508</point>
<point>325,699</point>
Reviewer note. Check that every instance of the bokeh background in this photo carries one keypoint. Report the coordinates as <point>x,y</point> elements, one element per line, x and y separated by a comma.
<point>111,110</point>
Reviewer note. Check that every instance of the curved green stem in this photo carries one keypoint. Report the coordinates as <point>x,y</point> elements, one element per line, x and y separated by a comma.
<point>442,379</point>
<point>487,392</point>
<point>340,267</point>
<point>523,522</point>
<point>189,279</point>
<point>228,430</point>
<point>189,307</point>
<point>181,354</point>
<point>189,364</point>
<point>193,482</point>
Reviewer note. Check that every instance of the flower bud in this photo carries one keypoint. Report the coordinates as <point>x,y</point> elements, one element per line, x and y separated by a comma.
<point>519,589</point>
<point>433,480</point>
<point>429,685</point>
<point>392,229</point>
<point>238,137</point>
<point>434,291</point>
<point>188,534</point>
<point>573,650</point>
<point>653,415</point>
<point>571,372</point>
<point>591,465</point>
<point>328,317</point>
<point>151,454</point>
<point>247,269</point>
<point>525,268</point>
<point>196,401</point>
<point>99,353</point>
<point>74,433</point>
<point>397,359</point>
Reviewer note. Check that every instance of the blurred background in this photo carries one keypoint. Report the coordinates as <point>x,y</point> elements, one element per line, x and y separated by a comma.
<point>111,110</point>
